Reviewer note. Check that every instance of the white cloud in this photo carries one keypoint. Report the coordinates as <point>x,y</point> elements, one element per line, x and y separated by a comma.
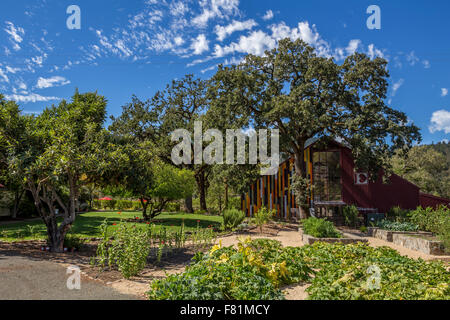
<point>224,31</point>
<point>374,52</point>
<point>440,121</point>
<point>3,76</point>
<point>397,86</point>
<point>178,40</point>
<point>353,46</point>
<point>444,92</point>
<point>426,64</point>
<point>15,33</point>
<point>412,58</point>
<point>55,81</point>
<point>32,97</point>
<point>215,8</point>
<point>268,15</point>
<point>200,44</point>
<point>178,8</point>
<point>255,43</point>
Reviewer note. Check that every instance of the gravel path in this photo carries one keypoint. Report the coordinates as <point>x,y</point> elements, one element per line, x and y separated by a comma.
<point>26,278</point>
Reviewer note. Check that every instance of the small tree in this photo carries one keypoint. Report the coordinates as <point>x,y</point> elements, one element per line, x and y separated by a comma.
<point>263,216</point>
<point>61,149</point>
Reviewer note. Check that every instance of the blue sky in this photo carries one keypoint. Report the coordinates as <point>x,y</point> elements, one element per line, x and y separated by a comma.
<point>127,47</point>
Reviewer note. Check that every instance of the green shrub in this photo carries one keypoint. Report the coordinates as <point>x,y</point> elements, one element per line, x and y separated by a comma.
<point>350,214</point>
<point>320,228</point>
<point>173,207</point>
<point>429,219</point>
<point>263,216</point>
<point>363,229</point>
<point>397,226</point>
<point>398,214</point>
<point>128,251</point>
<point>73,241</point>
<point>234,203</point>
<point>232,218</point>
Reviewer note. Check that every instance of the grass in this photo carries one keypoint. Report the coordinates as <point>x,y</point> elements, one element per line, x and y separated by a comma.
<point>87,224</point>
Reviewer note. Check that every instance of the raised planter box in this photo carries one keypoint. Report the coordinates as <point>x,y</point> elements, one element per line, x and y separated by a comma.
<point>387,235</point>
<point>432,247</point>
<point>307,239</point>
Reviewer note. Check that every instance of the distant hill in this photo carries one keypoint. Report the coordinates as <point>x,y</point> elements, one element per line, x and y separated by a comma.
<point>443,148</point>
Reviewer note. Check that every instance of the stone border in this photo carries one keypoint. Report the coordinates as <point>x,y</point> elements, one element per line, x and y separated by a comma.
<point>430,247</point>
<point>307,239</point>
<point>388,235</point>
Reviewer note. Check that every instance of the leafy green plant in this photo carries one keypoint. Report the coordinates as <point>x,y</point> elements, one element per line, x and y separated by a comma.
<point>232,218</point>
<point>234,273</point>
<point>396,226</point>
<point>263,216</point>
<point>320,228</point>
<point>398,214</point>
<point>74,241</point>
<point>350,214</point>
<point>343,274</point>
<point>128,250</point>
<point>429,219</point>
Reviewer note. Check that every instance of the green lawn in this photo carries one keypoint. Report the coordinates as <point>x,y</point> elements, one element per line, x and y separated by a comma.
<point>87,224</point>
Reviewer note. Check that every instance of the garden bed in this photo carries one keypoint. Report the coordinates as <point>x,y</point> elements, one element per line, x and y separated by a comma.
<point>387,235</point>
<point>307,239</point>
<point>422,243</point>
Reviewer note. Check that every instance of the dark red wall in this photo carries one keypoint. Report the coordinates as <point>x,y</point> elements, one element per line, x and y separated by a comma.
<point>399,192</point>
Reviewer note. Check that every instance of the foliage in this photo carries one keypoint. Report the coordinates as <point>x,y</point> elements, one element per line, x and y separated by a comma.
<point>427,167</point>
<point>60,150</point>
<point>74,241</point>
<point>398,214</point>
<point>151,180</point>
<point>396,226</point>
<point>436,221</point>
<point>302,188</point>
<point>429,219</point>
<point>243,273</point>
<point>128,250</point>
<point>344,274</point>
<point>350,215</point>
<point>232,218</point>
<point>263,216</point>
<point>320,228</point>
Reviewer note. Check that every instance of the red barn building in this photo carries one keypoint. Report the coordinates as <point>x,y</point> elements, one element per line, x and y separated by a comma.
<point>337,184</point>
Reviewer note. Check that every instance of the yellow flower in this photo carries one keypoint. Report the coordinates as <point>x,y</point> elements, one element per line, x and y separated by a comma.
<point>216,247</point>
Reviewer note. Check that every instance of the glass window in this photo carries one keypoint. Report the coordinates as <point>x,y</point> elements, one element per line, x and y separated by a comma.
<point>327,176</point>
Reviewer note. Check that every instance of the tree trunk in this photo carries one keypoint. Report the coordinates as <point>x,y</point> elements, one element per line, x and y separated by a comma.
<point>17,197</point>
<point>56,235</point>
<point>226,193</point>
<point>188,205</point>
<point>201,185</point>
<point>144,209</point>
